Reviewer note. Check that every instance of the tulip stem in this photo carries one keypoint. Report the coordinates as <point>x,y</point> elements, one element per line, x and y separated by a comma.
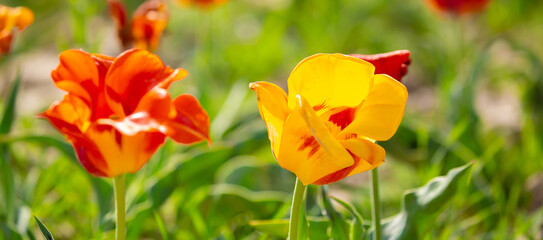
<point>376,205</point>
<point>119,190</point>
<point>297,199</point>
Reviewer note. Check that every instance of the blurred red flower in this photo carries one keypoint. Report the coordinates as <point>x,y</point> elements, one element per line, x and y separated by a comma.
<point>10,18</point>
<point>459,6</point>
<point>145,29</point>
<point>118,111</point>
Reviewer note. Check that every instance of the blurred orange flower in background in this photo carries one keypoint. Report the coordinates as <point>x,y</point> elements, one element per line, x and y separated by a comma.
<point>117,111</point>
<point>202,3</point>
<point>10,18</point>
<point>393,63</point>
<point>459,6</point>
<point>326,128</point>
<point>145,29</point>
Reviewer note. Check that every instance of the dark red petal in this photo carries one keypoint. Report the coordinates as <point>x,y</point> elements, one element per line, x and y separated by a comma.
<point>191,123</point>
<point>393,64</point>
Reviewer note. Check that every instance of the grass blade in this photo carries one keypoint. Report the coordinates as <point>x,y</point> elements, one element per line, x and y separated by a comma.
<point>44,231</point>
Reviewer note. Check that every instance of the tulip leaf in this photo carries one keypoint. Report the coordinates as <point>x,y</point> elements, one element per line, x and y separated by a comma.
<point>357,230</point>
<point>44,231</point>
<point>339,227</point>
<point>6,123</point>
<point>8,232</point>
<point>422,205</point>
<point>317,229</point>
<point>9,110</point>
<point>200,168</point>
<point>104,191</point>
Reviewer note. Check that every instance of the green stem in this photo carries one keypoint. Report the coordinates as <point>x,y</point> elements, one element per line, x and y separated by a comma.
<point>299,189</point>
<point>376,205</point>
<point>118,188</point>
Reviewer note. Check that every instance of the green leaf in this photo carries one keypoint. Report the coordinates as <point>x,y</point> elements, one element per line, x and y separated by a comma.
<point>230,108</point>
<point>9,112</point>
<point>318,227</point>
<point>8,184</point>
<point>198,171</point>
<point>340,228</point>
<point>44,231</point>
<point>357,230</point>
<point>8,232</point>
<point>161,226</point>
<point>104,190</point>
<point>422,205</point>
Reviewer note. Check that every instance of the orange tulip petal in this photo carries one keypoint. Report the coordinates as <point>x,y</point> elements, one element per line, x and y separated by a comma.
<point>273,107</point>
<point>154,109</point>
<point>330,80</point>
<point>23,17</point>
<point>309,150</point>
<point>132,75</point>
<point>191,123</point>
<point>393,63</point>
<point>70,116</point>
<point>121,153</point>
<point>382,111</point>
<point>77,74</point>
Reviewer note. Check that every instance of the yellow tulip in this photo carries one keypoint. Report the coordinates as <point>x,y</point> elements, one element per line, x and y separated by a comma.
<point>326,128</point>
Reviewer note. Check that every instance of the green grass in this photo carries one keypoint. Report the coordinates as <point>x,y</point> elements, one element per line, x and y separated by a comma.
<point>462,72</point>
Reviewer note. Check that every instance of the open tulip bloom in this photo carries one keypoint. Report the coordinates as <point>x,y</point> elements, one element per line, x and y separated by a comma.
<point>118,111</point>
<point>327,126</point>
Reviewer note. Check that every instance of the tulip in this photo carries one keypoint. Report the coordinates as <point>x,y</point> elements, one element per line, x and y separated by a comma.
<point>326,128</point>
<point>118,111</point>
<point>12,18</point>
<point>147,24</point>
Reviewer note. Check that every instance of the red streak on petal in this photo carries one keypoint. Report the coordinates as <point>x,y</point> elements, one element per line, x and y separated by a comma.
<point>310,142</point>
<point>319,107</point>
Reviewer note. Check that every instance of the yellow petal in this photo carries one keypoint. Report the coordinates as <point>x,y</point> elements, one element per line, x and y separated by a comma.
<point>272,104</point>
<point>382,111</point>
<point>370,154</point>
<point>330,80</point>
<point>308,149</point>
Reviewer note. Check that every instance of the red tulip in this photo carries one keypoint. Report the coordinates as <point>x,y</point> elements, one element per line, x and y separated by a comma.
<point>393,63</point>
<point>118,111</point>
<point>459,6</point>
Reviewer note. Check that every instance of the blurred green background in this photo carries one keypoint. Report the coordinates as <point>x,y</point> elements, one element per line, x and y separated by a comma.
<point>475,93</point>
